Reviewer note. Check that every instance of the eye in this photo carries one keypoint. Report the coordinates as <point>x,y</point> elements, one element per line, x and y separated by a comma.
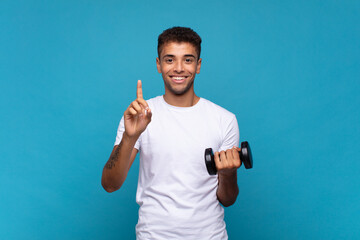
<point>188,60</point>
<point>169,60</point>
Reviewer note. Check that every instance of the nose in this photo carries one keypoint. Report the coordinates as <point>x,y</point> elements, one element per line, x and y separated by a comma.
<point>178,67</point>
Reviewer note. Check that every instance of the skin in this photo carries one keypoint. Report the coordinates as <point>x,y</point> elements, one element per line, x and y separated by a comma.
<point>178,63</point>
<point>227,162</point>
<point>136,118</point>
<point>179,60</point>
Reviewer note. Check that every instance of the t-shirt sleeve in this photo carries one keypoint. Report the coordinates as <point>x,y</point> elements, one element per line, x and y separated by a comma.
<point>120,131</point>
<point>231,134</point>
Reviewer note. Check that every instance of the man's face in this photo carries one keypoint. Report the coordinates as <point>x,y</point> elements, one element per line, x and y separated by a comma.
<point>178,63</point>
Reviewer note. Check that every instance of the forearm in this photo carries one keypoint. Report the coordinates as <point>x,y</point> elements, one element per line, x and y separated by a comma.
<point>118,165</point>
<point>228,189</point>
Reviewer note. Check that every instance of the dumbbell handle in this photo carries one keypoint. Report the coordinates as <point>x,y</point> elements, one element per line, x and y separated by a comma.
<point>244,154</point>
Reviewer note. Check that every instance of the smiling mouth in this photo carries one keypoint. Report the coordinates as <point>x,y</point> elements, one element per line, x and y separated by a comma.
<point>178,79</point>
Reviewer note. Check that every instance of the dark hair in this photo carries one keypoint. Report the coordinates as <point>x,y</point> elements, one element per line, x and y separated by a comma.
<point>179,34</point>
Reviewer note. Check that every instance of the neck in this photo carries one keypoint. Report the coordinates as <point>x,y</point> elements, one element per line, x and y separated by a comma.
<point>185,100</point>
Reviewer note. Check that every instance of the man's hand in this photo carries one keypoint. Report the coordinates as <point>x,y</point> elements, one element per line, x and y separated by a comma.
<point>138,115</point>
<point>136,118</point>
<point>227,162</point>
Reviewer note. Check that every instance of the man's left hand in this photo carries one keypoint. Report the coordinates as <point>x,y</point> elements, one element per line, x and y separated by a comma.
<point>227,162</point>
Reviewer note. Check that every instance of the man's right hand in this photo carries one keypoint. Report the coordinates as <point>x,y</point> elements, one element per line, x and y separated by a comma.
<point>138,115</point>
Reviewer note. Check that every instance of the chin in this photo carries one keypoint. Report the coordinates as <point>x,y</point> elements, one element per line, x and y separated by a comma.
<point>181,91</point>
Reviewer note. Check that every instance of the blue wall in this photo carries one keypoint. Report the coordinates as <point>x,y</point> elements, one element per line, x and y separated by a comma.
<point>290,70</point>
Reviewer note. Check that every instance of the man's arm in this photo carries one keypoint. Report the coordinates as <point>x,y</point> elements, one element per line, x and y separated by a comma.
<point>227,162</point>
<point>118,165</point>
<point>136,118</point>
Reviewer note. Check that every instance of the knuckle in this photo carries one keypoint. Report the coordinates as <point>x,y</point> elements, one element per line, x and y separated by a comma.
<point>132,111</point>
<point>236,164</point>
<point>141,101</point>
<point>144,103</point>
<point>219,165</point>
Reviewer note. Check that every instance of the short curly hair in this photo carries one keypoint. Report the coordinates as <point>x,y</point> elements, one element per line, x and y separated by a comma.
<point>179,34</point>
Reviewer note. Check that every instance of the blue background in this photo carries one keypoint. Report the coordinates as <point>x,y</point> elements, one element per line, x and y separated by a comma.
<point>289,70</point>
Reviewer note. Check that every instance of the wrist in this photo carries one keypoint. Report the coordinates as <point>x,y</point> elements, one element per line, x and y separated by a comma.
<point>228,173</point>
<point>130,138</point>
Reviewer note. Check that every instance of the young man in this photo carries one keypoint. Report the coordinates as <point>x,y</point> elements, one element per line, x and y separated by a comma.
<point>178,199</point>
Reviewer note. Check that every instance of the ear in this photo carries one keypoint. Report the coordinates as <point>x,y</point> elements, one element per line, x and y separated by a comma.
<point>158,65</point>
<point>198,66</point>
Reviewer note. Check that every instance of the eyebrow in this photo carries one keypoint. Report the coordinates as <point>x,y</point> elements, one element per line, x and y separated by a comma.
<point>168,55</point>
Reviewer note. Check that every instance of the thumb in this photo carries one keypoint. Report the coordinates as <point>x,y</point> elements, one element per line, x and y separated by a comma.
<point>148,114</point>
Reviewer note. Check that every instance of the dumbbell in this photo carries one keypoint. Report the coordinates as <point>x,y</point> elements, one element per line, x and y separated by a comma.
<point>244,154</point>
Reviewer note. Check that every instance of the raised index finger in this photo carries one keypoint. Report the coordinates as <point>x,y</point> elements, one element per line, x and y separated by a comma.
<point>139,93</point>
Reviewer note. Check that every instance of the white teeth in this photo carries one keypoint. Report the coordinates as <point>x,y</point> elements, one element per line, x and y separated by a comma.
<point>178,78</point>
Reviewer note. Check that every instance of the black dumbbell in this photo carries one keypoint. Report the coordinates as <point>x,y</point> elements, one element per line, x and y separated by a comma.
<point>244,154</point>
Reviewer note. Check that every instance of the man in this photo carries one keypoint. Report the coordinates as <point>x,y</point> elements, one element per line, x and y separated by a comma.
<point>178,199</point>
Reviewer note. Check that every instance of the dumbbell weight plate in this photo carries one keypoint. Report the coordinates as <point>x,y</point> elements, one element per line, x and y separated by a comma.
<point>245,155</point>
<point>210,161</point>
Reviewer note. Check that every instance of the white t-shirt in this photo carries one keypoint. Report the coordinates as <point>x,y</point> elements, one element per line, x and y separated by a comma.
<point>176,195</point>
